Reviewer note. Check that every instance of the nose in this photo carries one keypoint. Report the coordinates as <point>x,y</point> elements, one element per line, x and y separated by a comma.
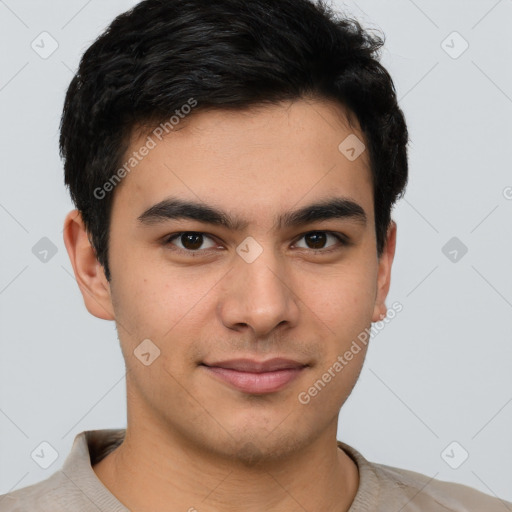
<point>258,296</point>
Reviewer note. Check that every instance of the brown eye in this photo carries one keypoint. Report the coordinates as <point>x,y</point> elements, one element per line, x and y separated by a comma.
<point>190,241</point>
<point>316,240</point>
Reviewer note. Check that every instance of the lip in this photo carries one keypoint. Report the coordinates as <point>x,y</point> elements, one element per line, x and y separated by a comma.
<point>256,377</point>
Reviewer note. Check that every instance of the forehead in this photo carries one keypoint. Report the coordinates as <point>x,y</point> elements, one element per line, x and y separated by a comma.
<point>256,160</point>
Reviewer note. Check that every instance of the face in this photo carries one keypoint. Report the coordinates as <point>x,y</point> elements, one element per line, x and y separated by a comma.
<point>245,304</point>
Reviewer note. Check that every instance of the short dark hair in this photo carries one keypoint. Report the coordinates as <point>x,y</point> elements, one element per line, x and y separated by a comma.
<point>226,54</point>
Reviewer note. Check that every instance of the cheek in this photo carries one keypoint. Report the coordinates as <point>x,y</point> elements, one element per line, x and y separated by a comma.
<point>157,302</point>
<point>344,299</point>
<point>343,310</point>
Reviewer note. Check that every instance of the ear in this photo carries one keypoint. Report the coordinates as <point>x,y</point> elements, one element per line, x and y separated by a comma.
<point>89,274</point>
<point>384,273</point>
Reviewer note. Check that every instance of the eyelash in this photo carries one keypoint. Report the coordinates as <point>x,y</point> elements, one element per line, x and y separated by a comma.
<point>342,239</point>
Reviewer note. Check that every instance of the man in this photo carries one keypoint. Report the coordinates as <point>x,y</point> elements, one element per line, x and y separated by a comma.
<point>234,165</point>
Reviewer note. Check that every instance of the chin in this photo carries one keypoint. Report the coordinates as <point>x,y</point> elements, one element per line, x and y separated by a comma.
<point>256,446</point>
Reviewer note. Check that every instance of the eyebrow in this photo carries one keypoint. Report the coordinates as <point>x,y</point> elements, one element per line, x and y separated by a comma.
<point>175,208</point>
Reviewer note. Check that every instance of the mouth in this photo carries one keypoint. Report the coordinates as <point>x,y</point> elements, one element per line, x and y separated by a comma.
<point>255,377</point>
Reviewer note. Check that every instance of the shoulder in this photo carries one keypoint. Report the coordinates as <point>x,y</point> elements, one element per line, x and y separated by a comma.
<point>427,493</point>
<point>44,496</point>
<point>75,486</point>
<point>389,488</point>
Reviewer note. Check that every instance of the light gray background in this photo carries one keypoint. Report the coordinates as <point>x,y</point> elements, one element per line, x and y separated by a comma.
<point>439,372</point>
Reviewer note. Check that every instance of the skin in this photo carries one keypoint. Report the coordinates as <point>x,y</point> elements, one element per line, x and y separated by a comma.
<point>193,441</point>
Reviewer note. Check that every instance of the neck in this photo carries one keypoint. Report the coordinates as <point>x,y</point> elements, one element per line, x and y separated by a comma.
<point>152,471</point>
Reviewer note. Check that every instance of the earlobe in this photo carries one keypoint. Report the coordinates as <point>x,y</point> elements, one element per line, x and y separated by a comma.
<point>89,273</point>
<point>384,273</point>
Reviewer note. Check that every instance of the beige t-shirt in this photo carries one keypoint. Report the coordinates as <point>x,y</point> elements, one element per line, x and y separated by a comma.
<point>75,487</point>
